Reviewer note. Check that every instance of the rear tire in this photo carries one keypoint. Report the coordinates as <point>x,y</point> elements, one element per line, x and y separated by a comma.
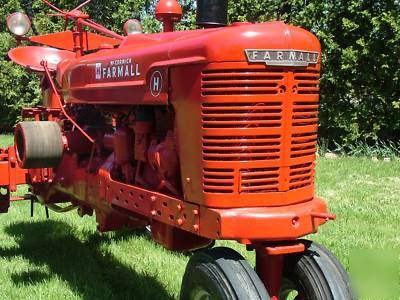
<point>315,274</point>
<point>221,274</point>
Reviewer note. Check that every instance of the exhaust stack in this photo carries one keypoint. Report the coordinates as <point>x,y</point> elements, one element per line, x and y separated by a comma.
<point>212,13</point>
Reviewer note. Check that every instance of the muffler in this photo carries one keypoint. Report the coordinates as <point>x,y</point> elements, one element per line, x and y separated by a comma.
<point>212,13</point>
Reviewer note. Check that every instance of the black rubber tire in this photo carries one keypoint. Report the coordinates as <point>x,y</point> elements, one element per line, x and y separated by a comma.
<point>38,144</point>
<point>223,274</point>
<point>315,274</point>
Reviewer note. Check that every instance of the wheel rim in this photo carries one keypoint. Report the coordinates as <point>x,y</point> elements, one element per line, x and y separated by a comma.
<point>291,291</point>
<point>199,293</point>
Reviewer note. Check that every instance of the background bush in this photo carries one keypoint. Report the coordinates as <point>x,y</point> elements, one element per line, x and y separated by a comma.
<point>360,86</point>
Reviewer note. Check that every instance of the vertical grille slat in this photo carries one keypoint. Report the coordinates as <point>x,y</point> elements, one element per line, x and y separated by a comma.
<point>305,114</point>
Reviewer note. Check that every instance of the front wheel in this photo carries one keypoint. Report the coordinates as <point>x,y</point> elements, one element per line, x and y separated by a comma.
<point>315,274</point>
<point>221,274</point>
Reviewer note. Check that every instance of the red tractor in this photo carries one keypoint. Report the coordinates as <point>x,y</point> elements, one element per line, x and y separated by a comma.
<point>199,135</point>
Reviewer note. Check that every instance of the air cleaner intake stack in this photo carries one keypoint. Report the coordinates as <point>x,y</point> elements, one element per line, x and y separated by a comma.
<point>212,13</point>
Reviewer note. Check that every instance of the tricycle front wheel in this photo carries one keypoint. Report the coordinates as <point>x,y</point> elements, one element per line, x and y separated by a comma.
<point>221,274</point>
<point>314,274</point>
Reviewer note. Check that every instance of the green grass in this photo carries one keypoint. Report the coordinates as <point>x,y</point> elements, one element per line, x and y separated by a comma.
<point>379,149</point>
<point>6,140</point>
<point>65,257</point>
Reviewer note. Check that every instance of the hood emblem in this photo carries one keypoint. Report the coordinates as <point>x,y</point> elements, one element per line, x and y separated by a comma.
<point>282,58</point>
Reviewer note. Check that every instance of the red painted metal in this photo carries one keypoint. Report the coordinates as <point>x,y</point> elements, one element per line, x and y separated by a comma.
<point>31,57</point>
<point>178,130</point>
<point>64,40</point>
<point>168,12</point>
<point>11,175</point>
<point>267,223</point>
<point>270,261</point>
<point>269,269</point>
<point>285,249</point>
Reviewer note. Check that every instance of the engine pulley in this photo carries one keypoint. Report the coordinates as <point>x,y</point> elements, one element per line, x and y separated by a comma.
<point>38,144</point>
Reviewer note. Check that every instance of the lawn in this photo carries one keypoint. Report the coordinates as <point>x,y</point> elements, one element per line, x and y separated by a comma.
<point>64,257</point>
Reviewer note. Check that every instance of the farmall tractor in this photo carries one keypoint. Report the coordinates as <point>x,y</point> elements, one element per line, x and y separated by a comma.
<point>199,135</point>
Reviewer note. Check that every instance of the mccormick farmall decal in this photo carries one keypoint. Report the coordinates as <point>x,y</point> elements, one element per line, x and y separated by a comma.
<point>120,68</point>
<point>285,58</point>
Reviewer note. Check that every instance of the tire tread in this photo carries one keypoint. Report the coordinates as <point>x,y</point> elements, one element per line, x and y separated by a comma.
<point>232,272</point>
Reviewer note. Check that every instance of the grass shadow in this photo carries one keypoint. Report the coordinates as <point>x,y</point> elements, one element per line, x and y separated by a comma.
<point>90,270</point>
<point>30,277</point>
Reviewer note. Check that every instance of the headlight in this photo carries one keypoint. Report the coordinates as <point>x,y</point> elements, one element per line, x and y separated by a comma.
<point>132,26</point>
<point>18,23</point>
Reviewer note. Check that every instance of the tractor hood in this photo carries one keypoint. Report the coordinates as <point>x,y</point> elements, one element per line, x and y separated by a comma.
<point>122,75</point>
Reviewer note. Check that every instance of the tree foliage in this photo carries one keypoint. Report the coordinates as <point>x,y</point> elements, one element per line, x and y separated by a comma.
<point>360,86</point>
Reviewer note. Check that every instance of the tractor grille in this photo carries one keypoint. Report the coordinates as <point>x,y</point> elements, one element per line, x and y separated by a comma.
<point>307,81</point>
<point>242,115</point>
<point>241,82</point>
<point>241,148</point>
<point>259,180</point>
<point>218,180</point>
<point>303,144</point>
<point>305,113</point>
<point>301,175</point>
<point>263,121</point>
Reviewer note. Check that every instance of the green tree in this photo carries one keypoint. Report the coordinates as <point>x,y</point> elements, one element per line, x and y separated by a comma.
<point>360,85</point>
